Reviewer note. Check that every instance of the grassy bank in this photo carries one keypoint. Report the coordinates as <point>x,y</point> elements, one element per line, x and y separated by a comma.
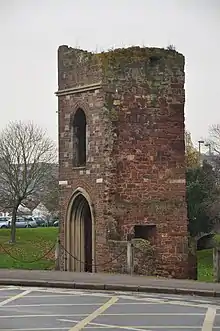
<point>32,244</point>
<point>205,265</point>
<point>29,250</point>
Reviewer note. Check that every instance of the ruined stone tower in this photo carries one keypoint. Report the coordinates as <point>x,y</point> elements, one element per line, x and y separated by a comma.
<point>121,158</point>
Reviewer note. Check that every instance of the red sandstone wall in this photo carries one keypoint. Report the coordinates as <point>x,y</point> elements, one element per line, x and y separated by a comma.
<point>150,185</point>
<point>136,145</point>
<point>79,68</point>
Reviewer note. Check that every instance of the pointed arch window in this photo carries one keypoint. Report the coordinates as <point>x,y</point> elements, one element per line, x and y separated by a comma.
<point>79,138</point>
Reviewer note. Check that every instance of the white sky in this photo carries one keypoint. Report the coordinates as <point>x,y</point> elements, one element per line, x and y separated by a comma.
<point>32,30</point>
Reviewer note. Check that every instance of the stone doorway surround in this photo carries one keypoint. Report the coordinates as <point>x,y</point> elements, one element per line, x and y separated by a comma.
<point>79,232</point>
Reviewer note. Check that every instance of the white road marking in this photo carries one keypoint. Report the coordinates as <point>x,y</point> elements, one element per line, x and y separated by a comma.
<point>35,329</point>
<point>183,299</point>
<point>81,304</point>
<point>171,302</point>
<point>146,300</point>
<point>58,291</point>
<point>141,297</point>
<point>6,288</point>
<point>209,319</point>
<point>56,305</point>
<point>149,314</point>
<point>107,326</point>
<point>40,315</point>
<point>80,325</point>
<point>134,328</point>
<point>103,293</point>
<point>103,314</point>
<point>61,295</point>
<point>15,297</point>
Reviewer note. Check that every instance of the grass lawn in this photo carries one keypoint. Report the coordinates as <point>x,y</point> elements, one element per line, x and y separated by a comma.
<point>31,245</point>
<point>205,265</point>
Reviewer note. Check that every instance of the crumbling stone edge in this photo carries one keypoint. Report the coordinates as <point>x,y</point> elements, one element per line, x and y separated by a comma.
<point>107,287</point>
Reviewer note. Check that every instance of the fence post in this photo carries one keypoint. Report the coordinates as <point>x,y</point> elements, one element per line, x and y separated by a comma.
<point>216,264</point>
<point>130,260</point>
<point>192,265</point>
<point>57,255</point>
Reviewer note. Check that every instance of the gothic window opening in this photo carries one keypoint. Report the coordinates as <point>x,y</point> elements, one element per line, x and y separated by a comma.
<point>79,139</point>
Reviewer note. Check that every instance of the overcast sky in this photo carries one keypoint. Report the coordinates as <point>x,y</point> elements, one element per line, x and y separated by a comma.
<point>32,30</point>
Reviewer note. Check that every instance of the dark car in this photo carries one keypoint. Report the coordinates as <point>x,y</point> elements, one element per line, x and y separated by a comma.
<point>40,221</point>
<point>56,223</point>
<point>52,221</point>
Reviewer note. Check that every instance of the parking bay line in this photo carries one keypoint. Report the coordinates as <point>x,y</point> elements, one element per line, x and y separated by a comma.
<point>36,329</point>
<point>100,325</point>
<point>103,314</point>
<point>142,328</point>
<point>15,297</point>
<point>61,295</point>
<point>80,325</point>
<point>137,301</point>
<point>143,298</point>
<point>9,288</point>
<point>133,328</point>
<point>82,304</point>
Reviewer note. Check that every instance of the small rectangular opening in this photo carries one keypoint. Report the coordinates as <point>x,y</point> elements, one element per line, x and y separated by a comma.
<point>146,231</point>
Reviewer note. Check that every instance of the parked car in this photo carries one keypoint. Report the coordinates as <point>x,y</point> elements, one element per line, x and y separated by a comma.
<point>4,222</point>
<point>24,222</point>
<point>31,223</point>
<point>52,220</point>
<point>56,223</point>
<point>40,221</point>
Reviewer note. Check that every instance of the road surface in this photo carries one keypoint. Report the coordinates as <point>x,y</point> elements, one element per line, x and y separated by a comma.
<point>29,309</point>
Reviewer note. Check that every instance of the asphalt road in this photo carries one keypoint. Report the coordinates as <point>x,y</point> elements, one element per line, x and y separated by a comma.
<point>27,309</point>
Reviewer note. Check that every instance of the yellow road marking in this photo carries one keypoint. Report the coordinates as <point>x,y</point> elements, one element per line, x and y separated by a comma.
<point>15,297</point>
<point>95,314</point>
<point>209,319</point>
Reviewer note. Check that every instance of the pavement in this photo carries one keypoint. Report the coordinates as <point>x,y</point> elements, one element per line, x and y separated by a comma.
<point>43,309</point>
<point>100,281</point>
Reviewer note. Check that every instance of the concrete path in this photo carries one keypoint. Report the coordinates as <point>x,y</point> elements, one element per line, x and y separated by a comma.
<point>107,282</point>
<point>38,309</point>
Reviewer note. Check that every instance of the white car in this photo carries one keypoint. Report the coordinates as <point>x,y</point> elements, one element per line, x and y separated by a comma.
<point>4,222</point>
<point>24,222</point>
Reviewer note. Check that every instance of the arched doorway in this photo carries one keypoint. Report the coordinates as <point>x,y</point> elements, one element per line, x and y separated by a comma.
<point>79,234</point>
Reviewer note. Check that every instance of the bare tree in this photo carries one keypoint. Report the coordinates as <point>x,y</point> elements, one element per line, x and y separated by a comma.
<point>214,138</point>
<point>51,194</point>
<point>26,154</point>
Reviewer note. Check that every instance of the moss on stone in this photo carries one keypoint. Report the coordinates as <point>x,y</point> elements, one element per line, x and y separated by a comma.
<point>192,245</point>
<point>111,110</point>
<point>116,57</point>
<point>143,245</point>
<point>113,115</point>
<point>144,257</point>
